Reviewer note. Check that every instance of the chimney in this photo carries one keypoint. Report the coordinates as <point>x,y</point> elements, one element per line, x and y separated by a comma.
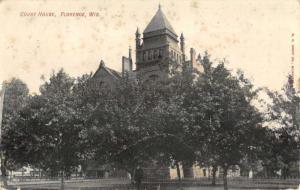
<point>127,63</point>
<point>130,59</point>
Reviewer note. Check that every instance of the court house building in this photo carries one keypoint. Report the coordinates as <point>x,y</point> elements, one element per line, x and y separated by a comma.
<point>157,50</point>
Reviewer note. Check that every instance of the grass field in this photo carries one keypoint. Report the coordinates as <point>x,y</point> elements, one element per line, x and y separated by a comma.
<point>195,184</point>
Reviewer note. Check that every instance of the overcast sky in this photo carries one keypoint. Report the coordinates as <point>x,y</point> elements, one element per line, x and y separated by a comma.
<point>252,35</point>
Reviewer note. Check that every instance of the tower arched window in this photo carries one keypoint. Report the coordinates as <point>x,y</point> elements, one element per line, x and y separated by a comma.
<point>160,53</point>
<point>144,56</point>
<point>173,55</point>
<point>155,54</point>
<point>150,54</point>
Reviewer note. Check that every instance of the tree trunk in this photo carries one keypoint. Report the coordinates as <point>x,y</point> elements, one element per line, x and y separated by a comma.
<point>62,182</point>
<point>285,172</point>
<point>3,171</point>
<point>178,175</point>
<point>214,171</point>
<point>132,173</point>
<point>225,178</point>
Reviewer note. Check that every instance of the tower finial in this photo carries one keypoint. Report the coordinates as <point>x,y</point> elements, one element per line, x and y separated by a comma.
<point>137,31</point>
<point>129,52</point>
<point>182,46</point>
<point>159,6</point>
<point>137,38</point>
<point>291,81</point>
<point>102,64</point>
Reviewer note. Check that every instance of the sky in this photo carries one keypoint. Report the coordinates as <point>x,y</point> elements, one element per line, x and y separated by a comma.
<point>252,35</point>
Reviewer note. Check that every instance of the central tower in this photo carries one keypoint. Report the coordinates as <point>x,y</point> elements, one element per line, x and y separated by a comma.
<point>158,50</point>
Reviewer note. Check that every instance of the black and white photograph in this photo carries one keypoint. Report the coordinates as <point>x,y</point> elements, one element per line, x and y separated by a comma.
<point>150,95</point>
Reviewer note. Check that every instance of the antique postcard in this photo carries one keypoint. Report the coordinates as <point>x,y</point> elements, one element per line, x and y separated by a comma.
<point>150,94</point>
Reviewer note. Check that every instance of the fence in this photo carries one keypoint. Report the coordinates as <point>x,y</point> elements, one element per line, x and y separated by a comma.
<point>158,184</point>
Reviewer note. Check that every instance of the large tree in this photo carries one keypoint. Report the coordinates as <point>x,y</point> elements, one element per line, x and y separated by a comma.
<point>284,114</point>
<point>226,125</point>
<point>116,123</point>
<point>172,120</point>
<point>135,123</point>
<point>15,97</point>
<point>48,130</point>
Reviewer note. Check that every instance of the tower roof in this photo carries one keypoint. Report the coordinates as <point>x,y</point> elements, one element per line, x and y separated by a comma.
<point>159,22</point>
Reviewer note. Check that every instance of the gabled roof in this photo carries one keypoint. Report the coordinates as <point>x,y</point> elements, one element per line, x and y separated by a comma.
<point>159,22</point>
<point>113,72</point>
<point>110,71</point>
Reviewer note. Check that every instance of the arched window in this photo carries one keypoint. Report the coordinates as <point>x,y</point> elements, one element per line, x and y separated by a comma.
<point>173,55</point>
<point>153,77</point>
<point>144,56</point>
<point>160,53</point>
<point>101,84</point>
<point>155,54</point>
<point>150,54</point>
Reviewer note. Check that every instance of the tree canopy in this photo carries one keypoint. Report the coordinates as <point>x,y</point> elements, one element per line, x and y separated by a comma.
<point>207,118</point>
